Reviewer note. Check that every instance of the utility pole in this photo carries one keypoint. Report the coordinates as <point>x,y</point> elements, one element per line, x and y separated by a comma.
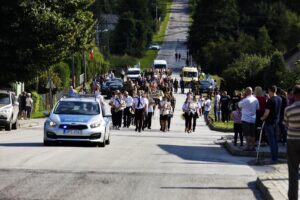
<point>73,72</point>
<point>85,75</point>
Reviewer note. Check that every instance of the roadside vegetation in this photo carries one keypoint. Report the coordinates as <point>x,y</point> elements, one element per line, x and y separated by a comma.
<point>158,37</point>
<point>244,41</point>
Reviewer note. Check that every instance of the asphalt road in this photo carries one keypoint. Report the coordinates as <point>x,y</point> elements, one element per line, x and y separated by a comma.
<point>176,35</point>
<point>148,165</point>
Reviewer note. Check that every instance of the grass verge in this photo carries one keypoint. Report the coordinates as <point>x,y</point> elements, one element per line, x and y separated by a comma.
<point>36,115</point>
<point>150,55</point>
<point>219,125</point>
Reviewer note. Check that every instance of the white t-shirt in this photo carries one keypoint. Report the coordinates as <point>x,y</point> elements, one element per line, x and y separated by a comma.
<point>207,105</point>
<point>29,102</point>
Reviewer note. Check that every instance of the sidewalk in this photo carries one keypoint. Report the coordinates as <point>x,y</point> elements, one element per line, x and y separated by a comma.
<point>264,151</point>
<point>31,122</point>
<point>274,185</point>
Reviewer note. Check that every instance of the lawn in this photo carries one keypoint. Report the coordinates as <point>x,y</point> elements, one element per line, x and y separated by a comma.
<point>219,125</point>
<point>38,115</point>
<point>150,55</point>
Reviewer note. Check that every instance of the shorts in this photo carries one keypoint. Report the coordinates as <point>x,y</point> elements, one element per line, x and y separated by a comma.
<point>248,129</point>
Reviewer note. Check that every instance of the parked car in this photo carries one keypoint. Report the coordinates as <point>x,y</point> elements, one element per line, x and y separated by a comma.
<point>110,86</point>
<point>78,118</point>
<point>154,46</point>
<point>9,110</point>
<point>205,86</point>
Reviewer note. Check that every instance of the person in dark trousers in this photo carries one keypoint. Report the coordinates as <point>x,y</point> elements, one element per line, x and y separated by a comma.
<point>139,110</point>
<point>148,121</point>
<point>271,118</point>
<point>282,128</point>
<point>234,100</point>
<point>127,114</point>
<point>292,115</point>
<point>236,116</point>
<point>175,84</point>
<point>224,104</point>
<point>182,85</point>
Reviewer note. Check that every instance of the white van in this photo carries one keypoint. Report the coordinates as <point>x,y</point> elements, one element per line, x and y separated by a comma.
<point>160,64</point>
<point>133,73</point>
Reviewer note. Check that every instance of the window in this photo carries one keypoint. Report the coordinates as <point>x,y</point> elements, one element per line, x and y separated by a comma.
<point>77,108</point>
<point>190,74</point>
<point>4,99</point>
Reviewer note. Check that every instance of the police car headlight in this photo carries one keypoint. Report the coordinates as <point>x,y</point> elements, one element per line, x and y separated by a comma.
<point>51,123</point>
<point>96,124</point>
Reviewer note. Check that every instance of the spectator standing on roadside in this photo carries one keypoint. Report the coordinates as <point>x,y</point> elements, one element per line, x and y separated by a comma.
<point>249,105</point>
<point>207,108</point>
<point>262,100</point>
<point>237,125</point>
<point>23,105</point>
<point>291,116</point>
<point>282,128</point>
<point>29,105</point>
<point>217,106</point>
<point>235,99</point>
<point>271,118</point>
<point>224,104</point>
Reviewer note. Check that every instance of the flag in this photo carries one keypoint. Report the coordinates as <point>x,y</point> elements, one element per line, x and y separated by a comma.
<point>91,54</point>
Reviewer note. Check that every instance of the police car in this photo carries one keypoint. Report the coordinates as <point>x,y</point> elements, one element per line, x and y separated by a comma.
<point>78,118</point>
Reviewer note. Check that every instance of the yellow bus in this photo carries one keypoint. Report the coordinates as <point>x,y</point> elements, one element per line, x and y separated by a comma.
<point>189,74</point>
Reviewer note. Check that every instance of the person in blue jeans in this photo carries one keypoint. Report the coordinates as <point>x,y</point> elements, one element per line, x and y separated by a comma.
<point>271,118</point>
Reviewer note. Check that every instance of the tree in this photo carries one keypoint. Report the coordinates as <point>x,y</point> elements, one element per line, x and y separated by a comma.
<point>213,21</point>
<point>275,73</point>
<point>246,71</point>
<point>35,35</point>
<point>264,43</point>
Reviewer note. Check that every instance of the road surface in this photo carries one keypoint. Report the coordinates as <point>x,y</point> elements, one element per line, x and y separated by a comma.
<point>148,165</point>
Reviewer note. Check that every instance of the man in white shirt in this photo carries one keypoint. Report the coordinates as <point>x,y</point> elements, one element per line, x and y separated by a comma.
<point>139,105</point>
<point>249,106</point>
<point>127,114</point>
<point>217,106</point>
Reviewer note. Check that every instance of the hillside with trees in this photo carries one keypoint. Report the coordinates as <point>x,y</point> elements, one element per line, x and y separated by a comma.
<point>245,40</point>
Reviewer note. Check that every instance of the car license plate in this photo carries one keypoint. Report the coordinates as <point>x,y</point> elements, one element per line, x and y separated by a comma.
<point>73,132</point>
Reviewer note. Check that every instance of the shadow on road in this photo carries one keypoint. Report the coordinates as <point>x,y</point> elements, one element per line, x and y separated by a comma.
<point>212,154</point>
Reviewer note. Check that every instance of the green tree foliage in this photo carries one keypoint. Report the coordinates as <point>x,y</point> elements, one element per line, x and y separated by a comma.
<point>276,72</point>
<point>36,34</point>
<point>245,71</point>
<point>263,43</point>
<point>134,30</point>
<point>223,31</point>
<point>213,20</point>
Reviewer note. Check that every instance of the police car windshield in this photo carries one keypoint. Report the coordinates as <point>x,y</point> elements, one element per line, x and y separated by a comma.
<point>4,99</point>
<point>77,108</point>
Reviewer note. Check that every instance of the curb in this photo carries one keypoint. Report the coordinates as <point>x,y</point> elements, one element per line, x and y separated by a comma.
<point>235,152</point>
<point>266,190</point>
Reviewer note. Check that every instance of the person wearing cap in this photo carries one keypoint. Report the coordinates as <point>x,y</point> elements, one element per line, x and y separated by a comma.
<point>139,105</point>
<point>291,121</point>
<point>29,105</point>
